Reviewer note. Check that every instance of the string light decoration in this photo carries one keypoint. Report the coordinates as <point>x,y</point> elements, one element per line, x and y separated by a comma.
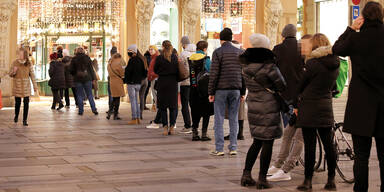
<point>227,9</point>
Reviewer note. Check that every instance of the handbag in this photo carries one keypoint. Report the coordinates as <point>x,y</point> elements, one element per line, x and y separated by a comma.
<point>183,72</point>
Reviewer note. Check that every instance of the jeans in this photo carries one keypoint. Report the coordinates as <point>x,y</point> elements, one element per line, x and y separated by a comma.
<point>184,95</point>
<point>222,99</point>
<point>18,105</point>
<point>172,117</point>
<point>310,141</point>
<point>86,88</point>
<point>143,88</point>
<point>265,157</point>
<point>133,92</point>
<point>295,135</point>
<point>362,147</point>
<point>154,92</point>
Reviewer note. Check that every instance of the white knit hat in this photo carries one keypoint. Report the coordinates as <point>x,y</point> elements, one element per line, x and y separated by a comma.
<point>133,48</point>
<point>258,40</point>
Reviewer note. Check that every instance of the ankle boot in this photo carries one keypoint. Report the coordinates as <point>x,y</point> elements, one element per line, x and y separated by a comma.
<point>116,117</point>
<point>195,134</point>
<point>204,137</point>
<point>246,179</point>
<point>306,186</point>
<point>109,115</point>
<point>262,183</point>
<point>331,185</point>
<point>171,130</point>
<point>165,130</point>
<point>240,134</point>
<point>25,123</point>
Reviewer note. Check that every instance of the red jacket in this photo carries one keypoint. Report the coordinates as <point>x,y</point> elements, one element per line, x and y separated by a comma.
<point>151,73</point>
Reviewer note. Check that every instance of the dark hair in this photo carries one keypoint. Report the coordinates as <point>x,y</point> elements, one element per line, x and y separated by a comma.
<point>373,11</point>
<point>141,56</point>
<point>201,45</point>
<point>235,42</point>
<point>307,36</point>
<point>167,50</point>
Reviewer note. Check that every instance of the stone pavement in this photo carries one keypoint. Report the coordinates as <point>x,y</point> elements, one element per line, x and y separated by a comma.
<point>61,151</point>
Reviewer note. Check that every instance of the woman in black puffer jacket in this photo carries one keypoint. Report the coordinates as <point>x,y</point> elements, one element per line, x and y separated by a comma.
<point>57,81</point>
<point>315,110</point>
<point>261,73</point>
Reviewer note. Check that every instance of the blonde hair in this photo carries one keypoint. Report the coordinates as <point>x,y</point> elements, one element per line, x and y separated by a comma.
<point>26,55</point>
<point>319,40</point>
<point>153,47</point>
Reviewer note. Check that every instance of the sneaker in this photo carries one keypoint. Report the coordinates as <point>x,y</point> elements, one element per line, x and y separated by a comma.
<point>186,130</point>
<point>153,126</point>
<point>280,175</point>
<point>233,153</point>
<point>217,153</point>
<point>272,170</point>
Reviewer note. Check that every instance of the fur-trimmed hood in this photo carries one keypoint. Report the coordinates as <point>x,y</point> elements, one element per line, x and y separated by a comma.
<point>257,55</point>
<point>325,56</point>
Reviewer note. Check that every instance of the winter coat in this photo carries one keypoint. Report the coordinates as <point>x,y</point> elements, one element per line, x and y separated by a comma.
<point>95,65</point>
<point>290,64</point>
<point>57,74</point>
<point>116,76</point>
<point>68,76</point>
<point>315,89</point>
<point>135,71</point>
<point>225,71</point>
<point>167,88</point>
<point>22,79</point>
<point>151,73</point>
<point>81,68</point>
<point>260,72</point>
<point>365,107</point>
<point>188,51</point>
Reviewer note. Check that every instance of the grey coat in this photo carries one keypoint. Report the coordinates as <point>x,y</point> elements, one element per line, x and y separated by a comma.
<point>260,72</point>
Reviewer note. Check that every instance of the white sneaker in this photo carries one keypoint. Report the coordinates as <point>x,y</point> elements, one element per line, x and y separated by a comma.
<point>153,126</point>
<point>186,130</point>
<point>272,170</point>
<point>280,176</point>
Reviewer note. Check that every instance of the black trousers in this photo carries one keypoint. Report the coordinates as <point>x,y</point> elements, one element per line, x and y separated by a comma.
<point>115,105</point>
<point>57,96</point>
<point>265,157</point>
<point>184,96</point>
<point>362,147</point>
<point>146,92</point>
<point>310,141</point>
<point>66,95</point>
<point>197,111</point>
<point>18,105</point>
<point>172,116</point>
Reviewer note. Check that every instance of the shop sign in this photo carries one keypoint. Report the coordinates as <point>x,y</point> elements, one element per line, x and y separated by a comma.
<point>356,2</point>
<point>355,12</point>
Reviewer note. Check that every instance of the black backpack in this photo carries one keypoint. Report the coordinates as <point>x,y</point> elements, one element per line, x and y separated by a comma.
<point>199,76</point>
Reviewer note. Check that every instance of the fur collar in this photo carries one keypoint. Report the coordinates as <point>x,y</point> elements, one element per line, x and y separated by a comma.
<point>320,52</point>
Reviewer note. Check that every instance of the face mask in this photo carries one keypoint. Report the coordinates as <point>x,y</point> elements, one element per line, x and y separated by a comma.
<point>130,54</point>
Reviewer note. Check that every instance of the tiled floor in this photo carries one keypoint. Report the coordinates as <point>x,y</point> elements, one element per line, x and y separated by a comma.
<point>61,151</point>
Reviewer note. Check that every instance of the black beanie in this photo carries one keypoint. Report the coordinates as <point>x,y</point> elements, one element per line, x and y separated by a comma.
<point>226,34</point>
<point>113,50</point>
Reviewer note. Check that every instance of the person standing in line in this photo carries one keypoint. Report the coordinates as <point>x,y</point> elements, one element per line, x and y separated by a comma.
<point>148,58</point>
<point>185,86</point>
<point>315,110</point>
<point>68,79</point>
<point>95,84</point>
<point>22,74</point>
<point>144,84</point>
<point>200,65</point>
<point>152,76</point>
<point>134,74</point>
<point>57,80</point>
<point>110,99</point>
<point>364,115</point>
<point>83,73</point>
<point>262,78</point>
<point>291,65</point>
<point>166,67</point>
<point>224,90</point>
<point>116,76</point>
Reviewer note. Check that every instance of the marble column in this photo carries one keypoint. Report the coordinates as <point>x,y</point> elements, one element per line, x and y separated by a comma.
<point>8,45</point>
<point>191,11</point>
<point>272,16</point>
<point>144,13</point>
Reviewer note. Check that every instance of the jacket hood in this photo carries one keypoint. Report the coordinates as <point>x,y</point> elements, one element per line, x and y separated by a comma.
<point>257,55</point>
<point>190,48</point>
<point>326,56</point>
<point>197,56</point>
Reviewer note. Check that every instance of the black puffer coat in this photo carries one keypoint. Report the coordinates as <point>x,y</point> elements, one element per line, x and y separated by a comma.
<point>81,68</point>
<point>68,76</point>
<point>57,75</point>
<point>260,72</point>
<point>315,89</point>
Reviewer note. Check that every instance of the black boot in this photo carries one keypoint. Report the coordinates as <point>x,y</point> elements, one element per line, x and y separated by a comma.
<point>116,109</point>
<point>262,183</point>
<point>306,186</point>
<point>60,106</point>
<point>331,185</point>
<point>246,179</point>
<point>25,112</point>
<point>109,115</point>
<point>195,134</point>
<point>240,134</point>
<point>204,136</point>
<point>53,107</point>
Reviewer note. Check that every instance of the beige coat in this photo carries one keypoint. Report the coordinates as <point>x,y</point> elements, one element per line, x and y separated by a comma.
<point>116,75</point>
<point>22,79</point>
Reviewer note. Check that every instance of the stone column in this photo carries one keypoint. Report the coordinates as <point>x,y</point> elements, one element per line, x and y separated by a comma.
<point>8,44</point>
<point>191,10</point>
<point>144,13</point>
<point>309,17</point>
<point>272,15</point>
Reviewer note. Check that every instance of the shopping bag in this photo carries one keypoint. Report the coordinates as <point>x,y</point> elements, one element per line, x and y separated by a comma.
<point>342,78</point>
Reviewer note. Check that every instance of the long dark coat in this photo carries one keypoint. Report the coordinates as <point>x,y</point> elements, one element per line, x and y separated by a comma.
<point>365,107</point>
<point>68,76</point>
<point>57,75</point>
<point>167,83</point>
<point>260,72</point>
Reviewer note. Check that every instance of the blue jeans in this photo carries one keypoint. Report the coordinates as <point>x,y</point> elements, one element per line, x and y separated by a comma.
<point>222,99</point>
<point>81,89</point>
<point>133,92</point>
